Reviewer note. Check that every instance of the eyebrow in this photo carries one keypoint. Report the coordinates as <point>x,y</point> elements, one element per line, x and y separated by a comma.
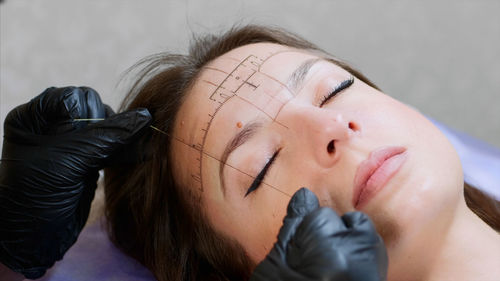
<point>294,83</point>
<point>246,133</point>
<point>298,76</point>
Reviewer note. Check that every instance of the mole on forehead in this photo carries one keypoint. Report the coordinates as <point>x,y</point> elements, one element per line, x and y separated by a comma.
<point>280,72</point>
<point>226,68</point>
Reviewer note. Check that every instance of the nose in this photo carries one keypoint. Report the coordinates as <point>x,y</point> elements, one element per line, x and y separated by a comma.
<point>319,132</point>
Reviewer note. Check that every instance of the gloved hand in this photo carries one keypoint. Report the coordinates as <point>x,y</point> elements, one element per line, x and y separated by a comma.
<point>316,244</point>
<point>49,171</point>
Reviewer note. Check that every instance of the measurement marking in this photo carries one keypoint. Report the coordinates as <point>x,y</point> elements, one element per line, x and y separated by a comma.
<point>271,54</point>
<point>235,59</point>
<point>245,173</point>
<point>252,85</point>
<point>248,78</point>
<point>209,82</point>
<point>221,95</point>
<point>216,69</point>
<point>276,80</point>
<point>225,79</point>
<point>196,177</point>
<point>258,108</point>
<point>237,89</point>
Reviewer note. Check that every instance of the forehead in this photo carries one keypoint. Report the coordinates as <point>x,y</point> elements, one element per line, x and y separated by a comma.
<point>242,85</point>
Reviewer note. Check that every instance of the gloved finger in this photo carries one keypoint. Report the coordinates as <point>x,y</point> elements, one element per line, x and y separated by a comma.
<point>100,140</point>
<point>81,103</point>
<point>362,227</point>
<point>95,108</point>
<point>302,203</point>
<point>56,108</point>
<point>69,103</point>
<point>321,223</point>
<point>317,234</point>
<point>37,115</point>
<point>359,221</point>
<point>375,260</point>
<point>108,111</point>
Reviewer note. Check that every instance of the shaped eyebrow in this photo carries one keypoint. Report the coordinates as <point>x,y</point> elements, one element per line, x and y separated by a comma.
<point>246,133</point>
<point>294,84</point>
<point>296,79</point>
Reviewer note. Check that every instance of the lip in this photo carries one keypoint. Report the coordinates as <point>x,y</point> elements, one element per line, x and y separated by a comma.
<point>374,172</point>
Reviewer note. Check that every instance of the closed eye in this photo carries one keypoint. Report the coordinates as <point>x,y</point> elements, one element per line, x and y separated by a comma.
<point>262,174</point>
<point>342,86</point>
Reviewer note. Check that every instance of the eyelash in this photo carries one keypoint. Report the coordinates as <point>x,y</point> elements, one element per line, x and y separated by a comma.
<point>342,86</point>
<point>262,174</point>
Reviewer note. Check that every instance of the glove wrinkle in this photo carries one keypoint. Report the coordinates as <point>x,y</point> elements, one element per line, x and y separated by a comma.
<point>49,171</point>
<point>316,244</point>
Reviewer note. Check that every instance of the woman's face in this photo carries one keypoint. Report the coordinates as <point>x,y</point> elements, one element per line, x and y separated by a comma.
<point>263,105</point>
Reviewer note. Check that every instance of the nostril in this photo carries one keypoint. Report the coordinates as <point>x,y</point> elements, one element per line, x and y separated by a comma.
<point>353,126</point>
<point>331,147</point>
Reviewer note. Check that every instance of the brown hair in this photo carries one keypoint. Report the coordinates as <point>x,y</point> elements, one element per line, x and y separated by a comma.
<point>484,206</point>
<point>150,216</point>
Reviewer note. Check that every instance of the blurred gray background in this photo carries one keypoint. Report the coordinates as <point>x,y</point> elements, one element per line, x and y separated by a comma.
<point>441,57</point>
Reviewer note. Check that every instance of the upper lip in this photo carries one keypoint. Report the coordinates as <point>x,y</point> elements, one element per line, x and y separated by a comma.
<point>367,167</point>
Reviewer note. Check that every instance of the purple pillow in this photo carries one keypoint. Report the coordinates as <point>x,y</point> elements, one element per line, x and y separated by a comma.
<point>94,257</point>
<point>480,160</point>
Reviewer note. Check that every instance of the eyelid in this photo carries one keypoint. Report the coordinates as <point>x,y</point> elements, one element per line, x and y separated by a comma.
<point>262,174</point>
<point>339,88</point>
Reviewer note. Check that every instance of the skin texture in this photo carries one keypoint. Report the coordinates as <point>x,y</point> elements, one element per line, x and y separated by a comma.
<point>422,200</point>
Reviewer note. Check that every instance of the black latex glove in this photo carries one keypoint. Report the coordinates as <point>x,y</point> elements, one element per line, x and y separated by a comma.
<point>316,244</point>
<point>49,171</point>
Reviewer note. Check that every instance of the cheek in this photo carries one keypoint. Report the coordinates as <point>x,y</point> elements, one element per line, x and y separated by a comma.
<point>254,221</point>
<point>435,156</point>
<point>262,224</point>
<point>424,194</point>
<point>432,154</point>
<point>429,187</point>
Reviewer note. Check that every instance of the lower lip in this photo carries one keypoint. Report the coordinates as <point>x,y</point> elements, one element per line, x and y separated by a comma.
<point>380,178</point>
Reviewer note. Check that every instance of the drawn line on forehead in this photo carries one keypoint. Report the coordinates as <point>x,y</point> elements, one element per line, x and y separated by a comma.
<point>215,69</point>
<point>249,102</point>
<point>276,80</point>
<point>281,52</point>
<point>211,83</point>
<point>192,146</point>
<point>267,114</point>
<point>270,56</point>
<point>295,77</point>
<point>295,80</point>
<point>264,61</point>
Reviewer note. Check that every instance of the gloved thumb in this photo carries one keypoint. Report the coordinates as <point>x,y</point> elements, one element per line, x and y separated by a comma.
<point>302,203</point>
<point>358,220</point>
<point>100,140</point>
<point>375,261</point>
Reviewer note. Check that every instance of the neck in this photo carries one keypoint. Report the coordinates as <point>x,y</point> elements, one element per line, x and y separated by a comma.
<point>471,250</point>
